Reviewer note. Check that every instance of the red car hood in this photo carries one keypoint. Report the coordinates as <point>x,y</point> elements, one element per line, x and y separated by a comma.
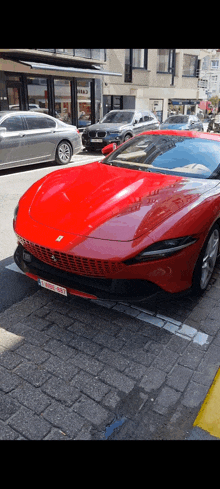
<point>112,203</point>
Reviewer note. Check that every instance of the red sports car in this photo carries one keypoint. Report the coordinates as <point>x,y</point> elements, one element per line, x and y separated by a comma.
<point>145,218</point>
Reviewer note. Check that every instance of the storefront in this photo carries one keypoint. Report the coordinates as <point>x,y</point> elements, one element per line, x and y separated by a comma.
<point>183,106</point>
<point>71,94</point>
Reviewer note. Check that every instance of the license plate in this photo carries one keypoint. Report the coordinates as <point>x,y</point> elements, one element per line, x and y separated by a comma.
<point>53,287</point>
<point>96,140</point>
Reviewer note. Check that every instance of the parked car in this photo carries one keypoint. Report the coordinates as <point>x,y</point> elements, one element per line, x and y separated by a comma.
<point>118,126</point>
<point>214,124</point>
<point>188,122</point>
<point>144,219</point>
<point>31,137</point>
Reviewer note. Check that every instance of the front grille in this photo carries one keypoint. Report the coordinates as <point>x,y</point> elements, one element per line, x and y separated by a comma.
<point>97,134</point>
<point>101,134</point>
<point>72,263</point>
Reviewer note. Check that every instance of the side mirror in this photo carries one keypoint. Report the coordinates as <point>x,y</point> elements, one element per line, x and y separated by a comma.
<point>109,148</point>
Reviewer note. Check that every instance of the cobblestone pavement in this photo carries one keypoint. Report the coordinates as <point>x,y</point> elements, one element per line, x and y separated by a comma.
<point>75,369</point>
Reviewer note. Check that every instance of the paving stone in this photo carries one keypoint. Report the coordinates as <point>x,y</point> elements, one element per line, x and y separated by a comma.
<point>114,359</point>
<point>179,377</point>
<point>166,399</point>
<point>33,353</point>
<point>8,406</point>
<point>96,389</point>
<point>8,380</point>
<point>191,357</point>
<point>59,319</point>
<point>6,433</point>
<point>59,349</point>
<point>90,410</point>
<point>61,390</point>
<point>29,425</point>
<point>85,345</point>
<point>117,379</point>
<point>62,369</point>
<point>165,360</point>
<point>64,418</point>
<point>153,379</point>
<point>86,362</point>
<point>32,373</point>
<point>31,397</point>
<point>194,395</point>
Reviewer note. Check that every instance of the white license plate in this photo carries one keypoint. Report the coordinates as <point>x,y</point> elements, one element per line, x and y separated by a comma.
<point>96,140</point>
<point>53,287</point>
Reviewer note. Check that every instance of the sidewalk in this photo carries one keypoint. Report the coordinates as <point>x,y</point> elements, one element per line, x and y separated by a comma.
<point>77,369</point>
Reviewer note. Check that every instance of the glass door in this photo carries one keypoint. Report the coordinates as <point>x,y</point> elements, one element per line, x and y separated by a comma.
<point>14,95</point>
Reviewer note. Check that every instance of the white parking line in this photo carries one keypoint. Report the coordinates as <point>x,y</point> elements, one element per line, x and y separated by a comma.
<point>14,268</point>
<point>178,328</point>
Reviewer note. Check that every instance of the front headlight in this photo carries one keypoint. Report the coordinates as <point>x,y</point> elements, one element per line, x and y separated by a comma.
<point>163,249</point>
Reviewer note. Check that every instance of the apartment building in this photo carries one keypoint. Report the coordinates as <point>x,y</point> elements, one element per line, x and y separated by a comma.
<point>157,79</point>
<point>209,79</point>
<point>65,83</point>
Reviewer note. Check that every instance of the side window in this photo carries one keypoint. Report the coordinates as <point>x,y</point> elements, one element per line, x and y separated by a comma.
<point>148,118</point>
<point>50,122</point>
<point>36,122</point>
<point>13,123</point>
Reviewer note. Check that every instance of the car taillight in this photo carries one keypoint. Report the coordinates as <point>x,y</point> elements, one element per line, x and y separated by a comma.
<point>78,131</point>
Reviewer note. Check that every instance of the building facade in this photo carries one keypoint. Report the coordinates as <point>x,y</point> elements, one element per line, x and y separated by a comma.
<point>65,83</point>
<point>209,79</point>
<point>161,80</point>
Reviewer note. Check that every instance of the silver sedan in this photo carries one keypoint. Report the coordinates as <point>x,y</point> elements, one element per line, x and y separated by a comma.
<point>29,137</point>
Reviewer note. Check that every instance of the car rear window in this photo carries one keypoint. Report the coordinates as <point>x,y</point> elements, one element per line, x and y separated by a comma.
<point>184,156</point>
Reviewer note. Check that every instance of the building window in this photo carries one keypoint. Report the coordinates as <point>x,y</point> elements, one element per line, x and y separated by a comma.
<point>189,65</point>
<point>37,94</point>
<point>214,64</point>
<point>139,58</point>
<point>63,105</point>
<point>165,58</point>
<point>128,65</point>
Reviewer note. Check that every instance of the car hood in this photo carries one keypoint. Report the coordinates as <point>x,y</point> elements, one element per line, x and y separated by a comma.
<point>107,202</point>
<point>107,127</point>
<point>174,126</point>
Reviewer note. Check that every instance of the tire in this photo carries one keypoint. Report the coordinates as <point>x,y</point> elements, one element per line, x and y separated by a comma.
<point>127,137</point>
<point>63,153</point>
<point>206,262</point>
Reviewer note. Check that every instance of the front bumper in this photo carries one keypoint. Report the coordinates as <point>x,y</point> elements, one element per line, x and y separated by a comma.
<point>97,143</point>
<point>97,288</point>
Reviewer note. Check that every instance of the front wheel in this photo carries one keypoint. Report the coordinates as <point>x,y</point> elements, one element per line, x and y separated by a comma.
<point>207,260</point>
<point>63,153</point>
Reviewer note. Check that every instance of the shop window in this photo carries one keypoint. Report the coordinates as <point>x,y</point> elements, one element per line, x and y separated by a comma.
<point>63,106</point>
<point>84,102</point>
<point>189,65</point>
<point>37,94</point>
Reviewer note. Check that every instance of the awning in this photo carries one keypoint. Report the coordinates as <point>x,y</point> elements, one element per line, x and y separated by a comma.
<point>68,69</point>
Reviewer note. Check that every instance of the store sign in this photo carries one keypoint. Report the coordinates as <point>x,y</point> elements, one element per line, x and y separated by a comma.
<point>82,91</point>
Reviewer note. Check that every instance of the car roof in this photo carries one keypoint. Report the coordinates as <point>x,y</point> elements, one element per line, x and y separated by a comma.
<point>189,134</point>
<point>22,112</point>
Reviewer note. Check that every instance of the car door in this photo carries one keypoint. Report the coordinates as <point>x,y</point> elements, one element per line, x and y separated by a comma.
<point>12,142</point>
<point>150,122</point>
<point>138,125</point>
<point>40,138</point>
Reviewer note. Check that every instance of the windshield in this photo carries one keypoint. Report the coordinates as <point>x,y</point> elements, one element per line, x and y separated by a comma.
<point>189,157</point>
<point>116,117</point>
<point>177,119</point>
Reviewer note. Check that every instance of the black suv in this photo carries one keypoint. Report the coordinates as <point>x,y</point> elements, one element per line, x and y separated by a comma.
<point>117,126</point>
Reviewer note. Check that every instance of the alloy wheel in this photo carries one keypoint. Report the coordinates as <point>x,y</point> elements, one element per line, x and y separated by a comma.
<point>64,153</point>
<point>209,259</point>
